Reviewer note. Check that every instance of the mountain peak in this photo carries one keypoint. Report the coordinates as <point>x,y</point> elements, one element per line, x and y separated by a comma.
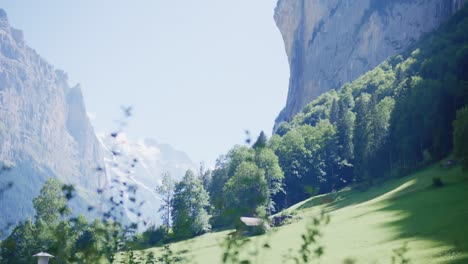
<point>47,133</point>
<point>3,14</point>
<point>3,19</point>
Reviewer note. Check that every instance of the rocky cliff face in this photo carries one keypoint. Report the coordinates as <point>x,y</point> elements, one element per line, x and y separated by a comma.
<point>44,129</point>
<point>331,42</point>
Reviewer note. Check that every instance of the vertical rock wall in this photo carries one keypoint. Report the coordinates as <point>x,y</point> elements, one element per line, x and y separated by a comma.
<point>44,129</point>
<point>332,42</point>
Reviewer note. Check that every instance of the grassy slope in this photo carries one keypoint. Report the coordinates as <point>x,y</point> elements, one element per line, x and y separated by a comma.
<point>367,225</point>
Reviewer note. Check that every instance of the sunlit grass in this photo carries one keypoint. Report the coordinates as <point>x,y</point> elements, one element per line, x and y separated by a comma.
<point>367,225</point>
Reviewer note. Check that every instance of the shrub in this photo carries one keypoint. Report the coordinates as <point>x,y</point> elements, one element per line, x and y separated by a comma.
<point>155,236</point>
<point>460,136</point>
<point>437,182</point>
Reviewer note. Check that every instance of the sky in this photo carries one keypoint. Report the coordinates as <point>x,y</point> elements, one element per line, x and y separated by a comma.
<point>197,73</point>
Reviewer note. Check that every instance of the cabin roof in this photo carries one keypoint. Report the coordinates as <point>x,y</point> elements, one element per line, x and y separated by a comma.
<point>43,254</point>
<point>251,221</point>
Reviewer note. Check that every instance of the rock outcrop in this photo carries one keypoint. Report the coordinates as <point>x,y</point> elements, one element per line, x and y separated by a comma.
<point>332,42</point>
<point>44,129</point>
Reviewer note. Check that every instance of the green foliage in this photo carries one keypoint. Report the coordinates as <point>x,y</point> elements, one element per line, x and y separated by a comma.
<point>245,191</point>
<point>237,249</point>
<point>437,182</point>
<point>233,246</point>
<point>154,236</point>
<point>234,181</point>
<point>391,121</point>
<point>292,155</point>
<point>261,141</point>
<point>150,258</point>
<point>205,177</point>
<point>334,112</point>
<point>51,202</point>
<point>237,155</point>
<point>131,258</point>
<point>344,123</point>
<point>166,191</point>
<point>76,241</point>
<point>168,256</point>
<point>267,161</point>
<point>190,203</point>
<point>460,136</point>
<point>311,247</point>
<point>309,158</point>
<point>215,190</point>
<point>362,137</point>
<point>70,240</point>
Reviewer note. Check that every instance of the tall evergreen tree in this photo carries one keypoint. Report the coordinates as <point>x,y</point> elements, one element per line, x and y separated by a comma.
<point>189,207</point>
<point>266,160</point>
<point>334,112</point>
<point>261,141</point>
<point>361,138</point>
<point>460,136</point>
<point>205,176</point>
<point>293,157</point>
<point>51,202</point>
<point>166,191</point>
<point>345,129</point>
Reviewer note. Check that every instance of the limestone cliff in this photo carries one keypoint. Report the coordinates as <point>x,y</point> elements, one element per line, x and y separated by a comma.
<point>44,129</point>
<point>332,42</point>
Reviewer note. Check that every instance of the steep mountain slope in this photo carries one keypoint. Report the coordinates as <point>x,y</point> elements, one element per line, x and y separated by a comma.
<point>331,42</point>
<point>153,160</point>
<point>44,129</point>
<point>390,121</point>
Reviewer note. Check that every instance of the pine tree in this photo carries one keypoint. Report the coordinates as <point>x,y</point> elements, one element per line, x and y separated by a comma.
<point>51,202</point>
<point>166,190</point>
<point>205,176</point>
<point>267,161</point>
<point>345,129</point>
<point>361,138</point>
<point>460,136</point>
<point>189,207</point>
<point>261,141</point>
<point>334,112</point>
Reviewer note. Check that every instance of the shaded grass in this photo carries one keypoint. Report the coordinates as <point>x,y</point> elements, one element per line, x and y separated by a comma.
<point>367,225</point>
<point>437,214</point>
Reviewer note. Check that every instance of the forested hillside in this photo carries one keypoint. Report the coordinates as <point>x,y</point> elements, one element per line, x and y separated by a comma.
<point>390,121</point>
<point>330,43</point>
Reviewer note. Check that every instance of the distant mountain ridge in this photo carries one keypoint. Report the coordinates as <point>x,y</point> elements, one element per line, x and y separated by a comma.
<point>45,132</point>
<point>44,129</point>
<point>332,42</point>
<point>153,160</point>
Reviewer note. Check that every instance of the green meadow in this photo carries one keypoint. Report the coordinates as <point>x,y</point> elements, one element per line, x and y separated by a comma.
<point>366,225</point>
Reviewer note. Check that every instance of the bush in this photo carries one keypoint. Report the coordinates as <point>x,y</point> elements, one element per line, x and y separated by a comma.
<point>460,137</point>
<point>285,217</point>
<point>258,230</point>
<point>437,182</point>
<point>155,236</point>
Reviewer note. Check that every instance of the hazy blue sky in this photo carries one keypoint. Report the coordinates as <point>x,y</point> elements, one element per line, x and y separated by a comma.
<point>198,73</point>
